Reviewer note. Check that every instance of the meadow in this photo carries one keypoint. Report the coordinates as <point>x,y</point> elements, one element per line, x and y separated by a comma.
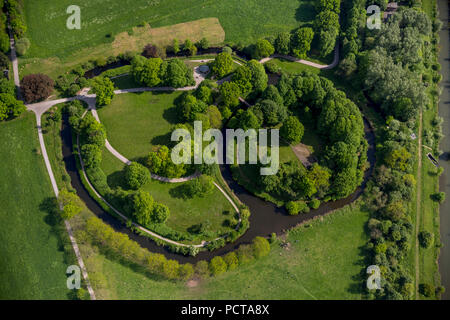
<point>324,260</point>
<point>110,26</point>
<point>32,258</point>
<point>137,122</point>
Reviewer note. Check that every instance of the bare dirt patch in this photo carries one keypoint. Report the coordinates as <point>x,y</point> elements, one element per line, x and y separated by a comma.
<point>208,28</point>
<point>192,283</point>
<point>304,154</point>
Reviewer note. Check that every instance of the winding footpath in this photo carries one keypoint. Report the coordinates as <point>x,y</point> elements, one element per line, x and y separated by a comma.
<point>306,62</point>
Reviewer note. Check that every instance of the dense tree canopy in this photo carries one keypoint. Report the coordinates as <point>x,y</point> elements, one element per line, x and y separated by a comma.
<point>222,65</point>
<point>104,89</point>
<point>263,49</point>
<point>36,87</point>
<point>301,42</point>
<point>136,175</point>
<point>283,43</point>
<point>10,107</point>
<point>292,130</point>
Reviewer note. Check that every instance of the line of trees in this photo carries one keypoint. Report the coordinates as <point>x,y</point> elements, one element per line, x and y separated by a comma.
<point>119,244</point>
<point>10,107</point>
<point>155,72</point>
<point>392,69</point>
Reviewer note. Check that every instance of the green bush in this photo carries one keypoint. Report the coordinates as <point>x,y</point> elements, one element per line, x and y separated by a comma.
<point>217,266</point>
<point>91,154</point>
<point>438,197</point>
<point>231,260</point>
<point>261,247</point>
<point>136,175</point>
<point>314,204</point>
<point>292,208</point>
<point>4,42</point>
<point>22,46</point>
<point>426,289</point>
<point>426,239</point>
<point>202,269</point>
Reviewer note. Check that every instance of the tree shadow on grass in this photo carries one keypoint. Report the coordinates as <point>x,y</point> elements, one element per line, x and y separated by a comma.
<point>164,139</point>
<point>180,192</point>
<point>117,179</point>
<point>358,284</point>
<point>171,115</point>
<point>305,12</point>
<point>57,229</point>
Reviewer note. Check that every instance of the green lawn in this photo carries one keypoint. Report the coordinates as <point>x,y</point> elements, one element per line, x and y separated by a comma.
<point>324,261</point>
<point>429,214</point>
<point>294,67</point>
<point>135,122</point>
<point>32,262</point>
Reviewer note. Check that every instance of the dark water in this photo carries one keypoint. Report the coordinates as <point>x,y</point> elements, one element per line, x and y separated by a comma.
<point>444,112</point>
<point>265,217</point>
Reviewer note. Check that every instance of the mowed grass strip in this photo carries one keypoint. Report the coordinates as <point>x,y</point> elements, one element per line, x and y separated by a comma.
<point>31,261</point>
<point>324,261</point>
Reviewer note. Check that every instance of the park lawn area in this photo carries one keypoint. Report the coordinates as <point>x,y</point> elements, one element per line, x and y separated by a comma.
<point>136,122</point>
<point>183,212</point>
<point>126,82</point>
<point>32,260</point>
<point>107,27</point>
<point>324,261</point>
<point>294,67</point>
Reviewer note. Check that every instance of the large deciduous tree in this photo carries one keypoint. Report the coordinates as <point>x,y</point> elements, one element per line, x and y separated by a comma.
<point>222,65</point>
<point>104,89</point>
<point>37,87</point>
<point>301,42</point>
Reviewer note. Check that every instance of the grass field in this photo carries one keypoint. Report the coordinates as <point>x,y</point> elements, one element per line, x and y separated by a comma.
<point>32,262</point>
<point>323,261</point>
<point>294,67</point>
<point>107,26</point>
<point>429,210</point>
<point>135,122</point>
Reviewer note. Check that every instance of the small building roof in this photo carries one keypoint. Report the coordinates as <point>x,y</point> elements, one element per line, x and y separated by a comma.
<point>392,6</point>
<point>203,68</point>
